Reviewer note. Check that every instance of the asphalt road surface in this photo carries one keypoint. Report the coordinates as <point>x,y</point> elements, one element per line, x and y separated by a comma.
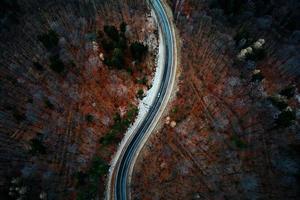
<point>122,170</point>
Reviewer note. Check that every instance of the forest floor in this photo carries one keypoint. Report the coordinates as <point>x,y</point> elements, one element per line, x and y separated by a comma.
<point>232,131</point>
<point>63,109</point>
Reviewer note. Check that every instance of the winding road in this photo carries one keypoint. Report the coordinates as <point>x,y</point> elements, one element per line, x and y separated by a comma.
<point>119,188</point>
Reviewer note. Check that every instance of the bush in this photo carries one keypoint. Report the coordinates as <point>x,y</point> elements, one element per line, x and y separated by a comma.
<point>81,178</point>
<point>289,91</point>
<point>243,33</point>
<point>278,102</point>
<point>38,66</point>
<point>238,142</point>
<point>258,77</point>
<point>108,46</point>
<point>175,109</point>
<point>108,138</point>
<point>140,93</point>
<point>123,27</point>
<point>117,59</point>
<point>37,147</point>
<point>257,54</point>
<point>121,43</point>
<point>286,118</point>
<point>90,180</point>
<point>120,126</point>
<point>99,168</point>
<point>142,81</point>
<point>19,116</point>
<point>138,50</point>
<point>49,40</point>
<point>112,32</point>
<point>232,6</point>
<point>56,64</point>
<point>89,118</point>
<point>49,104</point>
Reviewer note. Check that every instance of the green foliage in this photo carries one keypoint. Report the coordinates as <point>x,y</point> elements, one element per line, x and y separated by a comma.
<point>138,50</point>
<point>232,6</point>
<point>108,46</point>
<point>243,33</point>
<point>289,91</point>
<point>132,113</point>
<point>19,116</point>
<point>238,142</point>
<point>278,102</point>
<point>286,118</point>
<point>123,27</point>
<point>258,77</point>
<point>142,81</point>
<point>120,126</point>
<point>117,58</point>
<point>89,182</point>
<point>49,105</point>
<point>89,118</point>
<point>121,43</point>
<point>257,55</point>
<point>38,66</point>
<point>109,138</point>
<point>37,147</point>
<point>56,64</point>
<point>49,40</point>
<point>112,32</point>
<point>99,168</point>
<point>81,178</point>
<point>140,93</point>
<point>175,109</point>
<point>10,9</point>
<point>117,117</point>
<point>87,193</point>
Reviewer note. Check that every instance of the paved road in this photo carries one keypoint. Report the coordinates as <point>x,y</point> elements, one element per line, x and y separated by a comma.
<point>120,190</point>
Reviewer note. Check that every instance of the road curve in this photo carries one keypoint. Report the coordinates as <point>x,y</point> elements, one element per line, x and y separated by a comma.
<point>119,187</point>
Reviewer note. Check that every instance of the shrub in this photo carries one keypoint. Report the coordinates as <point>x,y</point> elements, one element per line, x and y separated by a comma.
<point>257,77</point>
<point>121,43</point>
<point>81,178</point>
<point>138,50</point>
<point>119,126</point>
<point>89,118</point>
<point>19,116</point>
<point>117,59</point>
<point>142,81</point>
<point>278,102</point>
<point>140,93</point>
<point>108,46</point>
<point>38,66</point>
<point>243,33</point>
<point>112,32</point>
<point>37,147</point>
<point>99,168</point>
<point>49,40</point>
<point>175,109</point>
<point>238,142</point>
<point>90,181</point>
<point>56,64</point>
<point>108,138</point>
<point>123,27</point>
<point>49,104</point>
<point>230,7</point>
<point>289,91</point>
<point>286,118</point>
<point>257,54</point>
